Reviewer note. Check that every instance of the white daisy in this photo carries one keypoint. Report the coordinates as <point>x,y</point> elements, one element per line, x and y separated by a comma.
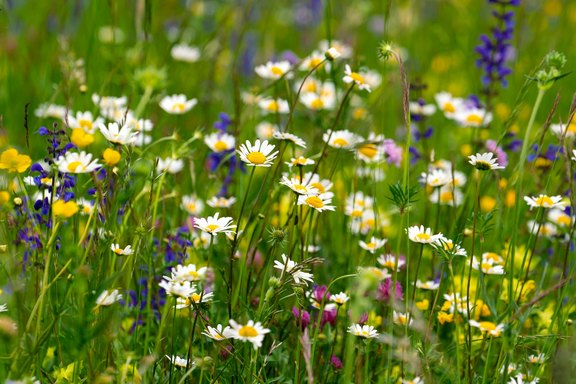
<point>192,204</point>
<point>365,331</point>
<point>220,142</point>
<point>356,78</point>
<point>340,298</point>
<point>179,362</point>
<point>85,121</point>
<point>400,318</point>
<point>341,139</point>
<point>116,134</point>
<point>73,162</point>
<point>294,269</point>
<point>257,155</point>
<point>448,104</point>
<point>274,70</point>
<point>177,104</point>
<point>430,285</point>
<point>169,165</point>
<point>252,332</point>
<point>488,327</point>
<point>185,52</point>
<point>265,130</point>
<point>312,61</point>
<point>373,245</point>
<point>475,117</point>
<point>435,178</point>
<point>221,202</point>
<point>487,266</point>
<point>177,288</point>
<point>51,110</point>
<point>188,273</point>
<point>299,161</point>
<point>564,130</point>
<point>289,137</point>
<point>544,201</point>
<point>121,251</point>
<point>389,261</point>
<point>447,195</point>
<point>216,333</point>
<point>214,225</point>
<point>194,299</point>
<point>316,102</point>
<point>318,202</point>
<point>419,234</point>
<point>269,105</point>
<point>108,297</point>
<point>417,108</point>
<point>295,184</point>
<point>485,161</point>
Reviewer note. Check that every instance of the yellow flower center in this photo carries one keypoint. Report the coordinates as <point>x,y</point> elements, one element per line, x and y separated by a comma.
<point>390,264</point>
<point>276,71</point>
<point>299,187</point>
<point>371,245</point>
<point>191,207</point>
<point>319,187</point>
<point>314,62</point>
<point>492,256</point>
<point>194,274</point>
<point>544,201</point>
<point>178,107</point>
<point>486,267</point>
<point>475,119</point>
<point>487,326</point>
<point>571,128</point>
<point>73,166</point>
<point>340,142</point>
<point>46,180</point>
<point>256,157</point>
<point>358,78</point>
<point>563,220</point>
<point>85,124</point>
<point>212,227</point>
<point>220,146</point>
<point>195,297</point>
<point>423,236</point>
<point>311,86</point>
<point>356,213</point>
<point>317,103</point>
<point>368,150</point>
<point>273,106</point>
<point>314,201</point>
<point>248,331</point>
<point>118,251</point>
<point>449,107</point>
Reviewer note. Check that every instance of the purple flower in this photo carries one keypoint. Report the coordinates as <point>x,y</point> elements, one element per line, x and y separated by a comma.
<point>392,151</point>
<point>383,292</point>
<point>492,146</point>
<point>302,317</point>
<point>336,362</point>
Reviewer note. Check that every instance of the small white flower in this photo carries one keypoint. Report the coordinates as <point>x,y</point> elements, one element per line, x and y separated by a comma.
<point>217,333</point>
<point>192,204</point>
<point>419,234</point>
<point>214,225</point>
<point>317,102</point>
<point>484,161</point>
<point>448,104</point>
<point>252,332</point>
<point>430,285</point>
<point>108,298</point>
<point>121,251</point>
<point>365,331</point>
<point>417,108</point>
<point>274,70</point>
<point>435,178</point>
<point>318,202</point>
<point>390,261</point>
<point>487,266</point>
<point>265,130</point>
<point>341,139</point>
<point>340,298</point>
<point>488,327</point>
<point>400,318</point>
<point>220,142</point>
<point>85,121</point>
<point>299,161</point>
<point>373,245</point>
<point>298,186</point>
<point>116,134</point>
<point>289,137</point>
<point>51,110</point>
<point>332,53</point>
<point>74,162</point>
<point>194,299</point>
<point>544,201</point>
<point>356,78</point>
<point>269,105</point>
<point>258,155</point>
<point>537,359</point>
<point>169,165</point>
<point>294,269</point>
<point>188,273</point>
<point>185,52</point>
<point>475,117</point>
<point>221,202</point>
<point>179,362</point>
<point>3,308</point>
<point>182,289</point>
<point>177,104</point>
<point>109,102</point>
<point>564,130</point>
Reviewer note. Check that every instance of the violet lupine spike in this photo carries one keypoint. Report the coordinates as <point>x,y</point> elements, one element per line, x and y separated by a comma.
<point>495,50</point>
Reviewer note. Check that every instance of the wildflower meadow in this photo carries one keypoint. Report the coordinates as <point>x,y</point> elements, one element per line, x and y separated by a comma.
<point>291,191</point>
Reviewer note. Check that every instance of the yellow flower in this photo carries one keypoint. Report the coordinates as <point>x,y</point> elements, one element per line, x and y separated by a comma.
<point>64,209</point>
<point>444,317</point>
<point>14,162</point>
<point>111,157</point>
<point>80,138</point>
<point>466,150</point>
<point>510,198</point>
<point>65,374</point>
<point>4,197</point>
<point>481,310</point>
<point>487,203</point>
<point>423,305</point>
<point>129,374</point>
